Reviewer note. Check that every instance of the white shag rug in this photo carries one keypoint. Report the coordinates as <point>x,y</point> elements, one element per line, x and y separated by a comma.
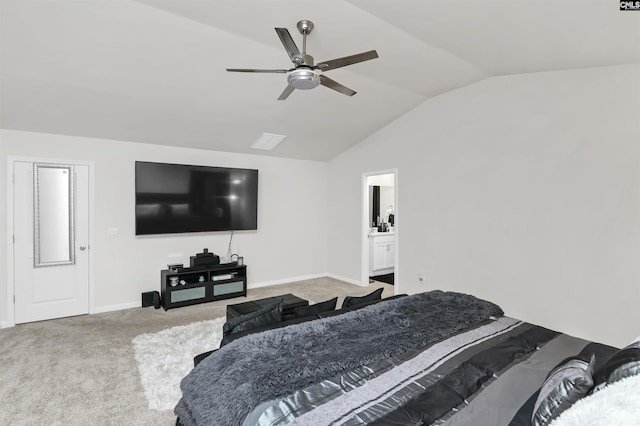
<point>165,357</point>
<point>615,405</point>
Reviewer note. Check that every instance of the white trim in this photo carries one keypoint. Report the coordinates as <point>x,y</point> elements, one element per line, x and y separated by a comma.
<point>285,280</point>
<point>364,245</point>
<point>92,308</point>
<point>119,307</point>
<point>11,160</point>
<point>131,305</point>
<point>11,319</point>
<point>307,277</point>
<point>4,324</point>
<point>349,280</point>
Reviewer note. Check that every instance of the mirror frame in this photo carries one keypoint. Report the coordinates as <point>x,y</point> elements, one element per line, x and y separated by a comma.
<point>69,258</point>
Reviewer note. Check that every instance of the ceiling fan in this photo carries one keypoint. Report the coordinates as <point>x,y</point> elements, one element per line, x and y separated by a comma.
<point>305,75</point>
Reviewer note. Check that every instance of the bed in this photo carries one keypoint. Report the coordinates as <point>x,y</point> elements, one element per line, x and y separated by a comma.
<point>430,358</point>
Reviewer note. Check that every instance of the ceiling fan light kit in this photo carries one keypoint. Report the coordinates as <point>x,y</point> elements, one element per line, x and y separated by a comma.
<point>305,75</point>
<point>303,78</point>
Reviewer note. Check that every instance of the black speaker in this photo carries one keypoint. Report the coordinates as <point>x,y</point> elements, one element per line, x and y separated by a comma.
<point>156,300</point>
<point>151,298</point>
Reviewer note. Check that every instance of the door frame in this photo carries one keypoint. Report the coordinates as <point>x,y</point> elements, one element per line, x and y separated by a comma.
<point>11,160</point>
<point>364,226</point>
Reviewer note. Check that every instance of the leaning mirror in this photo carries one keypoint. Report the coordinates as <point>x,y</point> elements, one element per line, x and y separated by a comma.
<point>53,218</point>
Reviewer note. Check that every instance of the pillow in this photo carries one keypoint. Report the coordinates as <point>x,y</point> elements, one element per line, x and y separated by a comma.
<point>615,405</point>
<point>307,311</point>
<point>624,363</point>
<point>268,315</point>
<point>566,383</point>
<point>354,300</point>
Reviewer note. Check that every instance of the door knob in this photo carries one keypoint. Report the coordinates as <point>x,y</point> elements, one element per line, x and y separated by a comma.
<point>83,248</point>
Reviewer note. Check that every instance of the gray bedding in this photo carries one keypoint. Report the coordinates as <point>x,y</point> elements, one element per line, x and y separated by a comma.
<point>432,358</point>
<point>405,390</point>
<point>231,382</point>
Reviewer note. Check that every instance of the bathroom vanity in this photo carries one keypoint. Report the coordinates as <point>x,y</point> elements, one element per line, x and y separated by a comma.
<point>382,252</point>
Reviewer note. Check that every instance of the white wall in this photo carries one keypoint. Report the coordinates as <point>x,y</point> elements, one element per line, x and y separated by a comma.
<point>290,241</point>
<point>524,190</point>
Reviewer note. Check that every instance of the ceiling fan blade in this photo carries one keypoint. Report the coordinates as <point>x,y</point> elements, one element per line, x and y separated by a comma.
<point>332,84</point>
<point>286,92</point>
<point>289,45</point>
<point>253,70</point>
<point>347,60</point>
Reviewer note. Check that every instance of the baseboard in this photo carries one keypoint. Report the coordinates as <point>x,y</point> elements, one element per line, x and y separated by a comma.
<point>347,280</point>
<point>285,281</point>
<point>100,310</point>
<point>137,304</point>
<point>129,305</point>
<point>111,308</point>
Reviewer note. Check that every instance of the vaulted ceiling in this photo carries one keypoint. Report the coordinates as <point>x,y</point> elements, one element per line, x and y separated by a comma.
<point>153,71</point>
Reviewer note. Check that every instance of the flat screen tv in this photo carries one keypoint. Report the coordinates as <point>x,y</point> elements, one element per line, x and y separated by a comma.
<point>178,198</point>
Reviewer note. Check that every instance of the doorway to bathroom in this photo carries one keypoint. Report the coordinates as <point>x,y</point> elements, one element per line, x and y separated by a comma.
<point>380,227</point>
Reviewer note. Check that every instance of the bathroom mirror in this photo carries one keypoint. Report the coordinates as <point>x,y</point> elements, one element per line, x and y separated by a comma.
<point>54,224</point>
<point>381,200</point>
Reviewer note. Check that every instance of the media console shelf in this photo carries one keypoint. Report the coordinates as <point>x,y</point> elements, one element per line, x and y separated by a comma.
<point>202,285</point>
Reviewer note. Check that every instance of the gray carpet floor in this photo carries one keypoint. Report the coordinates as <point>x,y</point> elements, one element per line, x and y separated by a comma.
<point>82,370</point>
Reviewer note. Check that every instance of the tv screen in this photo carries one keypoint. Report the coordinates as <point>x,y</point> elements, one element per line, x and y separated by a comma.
<point>176,198</point>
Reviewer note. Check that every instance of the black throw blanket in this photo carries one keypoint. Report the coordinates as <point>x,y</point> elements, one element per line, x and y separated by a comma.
<point>232,381</point>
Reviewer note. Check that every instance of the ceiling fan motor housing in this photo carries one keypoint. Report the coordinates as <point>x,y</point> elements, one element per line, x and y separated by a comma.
<point>303,78</point>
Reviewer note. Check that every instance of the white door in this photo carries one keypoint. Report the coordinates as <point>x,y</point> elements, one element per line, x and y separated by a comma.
<point>51,235</point>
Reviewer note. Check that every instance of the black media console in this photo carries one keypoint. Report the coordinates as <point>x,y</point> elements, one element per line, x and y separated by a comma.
<point>189,286</point>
